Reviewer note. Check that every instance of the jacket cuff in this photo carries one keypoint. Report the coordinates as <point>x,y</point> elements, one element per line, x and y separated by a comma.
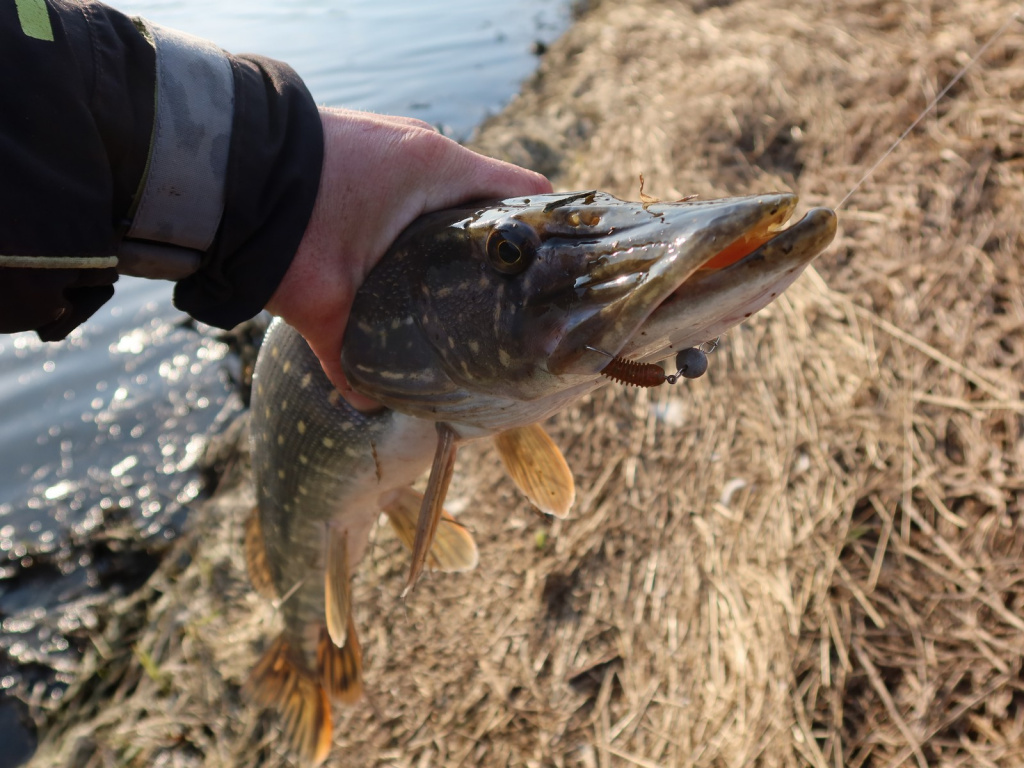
<point>181,199</point>
<point>273,175</point>
<point>232,176</point>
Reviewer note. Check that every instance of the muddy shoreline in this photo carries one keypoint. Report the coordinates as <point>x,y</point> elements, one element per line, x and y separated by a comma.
<point>813,555</point>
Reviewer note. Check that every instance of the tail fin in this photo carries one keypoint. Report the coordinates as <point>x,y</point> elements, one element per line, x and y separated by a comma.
<point>280,681</point>
<point>341,669</point>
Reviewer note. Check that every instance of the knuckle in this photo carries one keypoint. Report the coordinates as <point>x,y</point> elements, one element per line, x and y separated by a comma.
<point>427,146</point>
<point>415,122</point>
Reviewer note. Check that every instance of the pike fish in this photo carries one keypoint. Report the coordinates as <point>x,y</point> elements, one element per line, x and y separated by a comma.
<point>479,322</point>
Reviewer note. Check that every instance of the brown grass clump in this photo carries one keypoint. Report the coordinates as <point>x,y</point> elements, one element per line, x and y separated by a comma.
<point>812,556</point>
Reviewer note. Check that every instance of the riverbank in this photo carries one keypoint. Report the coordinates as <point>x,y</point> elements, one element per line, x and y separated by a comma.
<point>810,556</point>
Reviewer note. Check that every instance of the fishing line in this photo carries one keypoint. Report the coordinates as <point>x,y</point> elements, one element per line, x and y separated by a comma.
<point>692,363</point>
<point>1015,16</point>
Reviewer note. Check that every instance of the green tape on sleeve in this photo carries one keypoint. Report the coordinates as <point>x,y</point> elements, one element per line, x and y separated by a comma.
<point>35,19</point>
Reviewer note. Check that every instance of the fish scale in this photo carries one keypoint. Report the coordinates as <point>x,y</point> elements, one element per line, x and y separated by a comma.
<point>330,475</point>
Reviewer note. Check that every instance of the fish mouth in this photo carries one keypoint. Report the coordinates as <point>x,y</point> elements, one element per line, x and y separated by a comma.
<point>733,258</point>
<point>716,298</point>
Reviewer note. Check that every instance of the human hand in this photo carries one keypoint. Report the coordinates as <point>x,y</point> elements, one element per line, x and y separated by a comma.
<point>379,174</point>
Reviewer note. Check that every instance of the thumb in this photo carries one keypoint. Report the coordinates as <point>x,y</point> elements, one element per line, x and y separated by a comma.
<point>329,355</point>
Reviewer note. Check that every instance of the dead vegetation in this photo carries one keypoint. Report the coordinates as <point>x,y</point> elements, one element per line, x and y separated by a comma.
<point>812,556</point>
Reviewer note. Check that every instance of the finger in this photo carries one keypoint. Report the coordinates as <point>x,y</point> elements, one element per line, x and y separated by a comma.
<point>450,174</point>
<point>373,117</point>
<point>410,122</point>
<point>331,363</point>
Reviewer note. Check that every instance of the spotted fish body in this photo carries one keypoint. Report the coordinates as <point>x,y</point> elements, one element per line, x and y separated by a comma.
<point>479,322</point>
<point>315,465</point>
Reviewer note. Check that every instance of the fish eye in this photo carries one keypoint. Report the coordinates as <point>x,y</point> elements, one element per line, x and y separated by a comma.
<point>511,248</point>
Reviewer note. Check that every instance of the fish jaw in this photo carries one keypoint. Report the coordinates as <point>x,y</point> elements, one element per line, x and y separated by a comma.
<point>690,235</point>
<point>713,300</point>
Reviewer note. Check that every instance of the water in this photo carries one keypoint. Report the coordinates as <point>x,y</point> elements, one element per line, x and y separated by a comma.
<point>107,421</point>
<point>100,433</point>
<point>449,62</point>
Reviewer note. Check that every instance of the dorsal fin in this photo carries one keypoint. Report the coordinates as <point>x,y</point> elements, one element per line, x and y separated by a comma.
<point>341,668</point>
<point>453,548</point>
<point>433,501</point>
<point>337,585</point>
<point>280,681</point>
<point>256,557</point>
<point>538,468</point>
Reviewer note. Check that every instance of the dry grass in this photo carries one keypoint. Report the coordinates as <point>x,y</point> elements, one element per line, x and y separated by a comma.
<point>812,556</point>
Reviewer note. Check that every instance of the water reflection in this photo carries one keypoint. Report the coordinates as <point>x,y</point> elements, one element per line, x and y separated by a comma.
<point>145,387</point>
<point>449,62</point>
<point>102,434</point>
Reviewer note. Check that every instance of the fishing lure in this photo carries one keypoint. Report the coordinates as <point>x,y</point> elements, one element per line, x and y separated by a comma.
<point>691,363</point>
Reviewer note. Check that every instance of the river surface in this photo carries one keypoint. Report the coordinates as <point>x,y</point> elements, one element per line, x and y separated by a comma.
<point>100,433</point>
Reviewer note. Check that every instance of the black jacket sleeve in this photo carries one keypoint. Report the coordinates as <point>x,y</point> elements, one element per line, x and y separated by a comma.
<point>81,124</point>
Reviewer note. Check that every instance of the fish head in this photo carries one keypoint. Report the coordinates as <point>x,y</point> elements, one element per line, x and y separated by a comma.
<point>524,300</point>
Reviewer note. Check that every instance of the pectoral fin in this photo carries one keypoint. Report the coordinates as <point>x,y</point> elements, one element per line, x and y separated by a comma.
<point>337,585</point>
<point>433,501</point>
<point>453,548</point>
<point>280,681</point>
<point>538,468</point>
